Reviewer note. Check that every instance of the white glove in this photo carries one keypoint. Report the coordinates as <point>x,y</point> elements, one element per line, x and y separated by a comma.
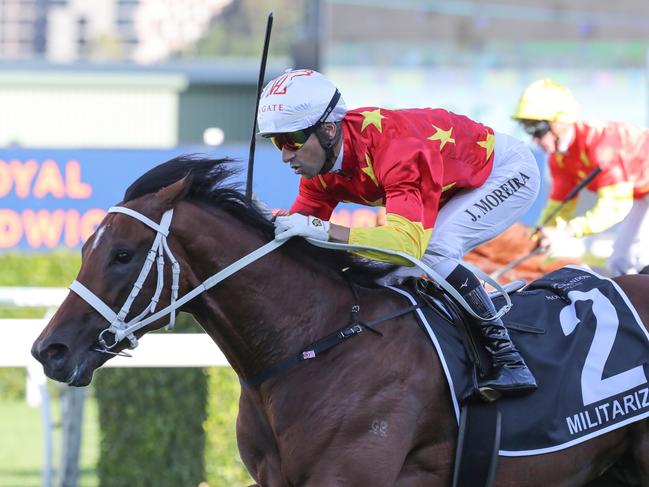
<point>297,225</point>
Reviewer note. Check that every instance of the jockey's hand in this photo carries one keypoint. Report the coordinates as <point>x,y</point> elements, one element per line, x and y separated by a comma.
<point>297,225</point>
<point>555,236</point>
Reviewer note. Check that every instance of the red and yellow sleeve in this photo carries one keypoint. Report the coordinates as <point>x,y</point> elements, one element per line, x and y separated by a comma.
<point>398,233</point>
<point>564,214</point>
<point>613,204</point>
<point>402,169</point>
<point>312,201</point>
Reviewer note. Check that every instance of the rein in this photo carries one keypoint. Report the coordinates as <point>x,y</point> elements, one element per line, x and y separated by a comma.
<point>121,329</point>
<point>432,274</point>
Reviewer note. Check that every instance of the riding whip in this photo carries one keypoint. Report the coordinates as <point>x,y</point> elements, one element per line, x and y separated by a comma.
<point>260,85</point>
<point>538,249</point>
<point>569,197</point>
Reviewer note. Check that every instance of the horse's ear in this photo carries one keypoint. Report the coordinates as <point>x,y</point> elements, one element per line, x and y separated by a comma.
<point>172,194</point>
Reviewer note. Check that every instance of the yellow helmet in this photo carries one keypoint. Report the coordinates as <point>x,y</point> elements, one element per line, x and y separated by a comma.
<point>547,100</point>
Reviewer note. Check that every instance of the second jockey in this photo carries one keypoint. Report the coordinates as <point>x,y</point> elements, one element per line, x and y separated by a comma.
<point>549,113</point>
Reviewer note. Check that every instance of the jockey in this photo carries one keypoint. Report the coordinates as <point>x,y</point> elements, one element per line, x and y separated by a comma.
<point>548,112</point>
<point>448,184</point>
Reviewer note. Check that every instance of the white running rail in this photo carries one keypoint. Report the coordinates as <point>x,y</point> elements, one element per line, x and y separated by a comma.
<point>18,334</point>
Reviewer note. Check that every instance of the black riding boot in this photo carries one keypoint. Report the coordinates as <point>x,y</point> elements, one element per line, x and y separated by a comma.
<point>510,375</point>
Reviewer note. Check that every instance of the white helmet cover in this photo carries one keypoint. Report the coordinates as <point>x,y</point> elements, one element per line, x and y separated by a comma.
<point>297,100</point>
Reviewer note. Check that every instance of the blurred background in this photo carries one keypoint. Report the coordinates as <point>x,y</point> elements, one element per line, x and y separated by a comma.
<point>95,92</point>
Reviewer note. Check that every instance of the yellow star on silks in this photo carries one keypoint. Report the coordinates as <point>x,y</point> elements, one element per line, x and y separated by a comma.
<point>448,186</point>
<point>443,136</point>
<point>369,169</point>
<point>372,117</point>
<point>583,157</point>
<point>558,158</point>
<point>488,144</point>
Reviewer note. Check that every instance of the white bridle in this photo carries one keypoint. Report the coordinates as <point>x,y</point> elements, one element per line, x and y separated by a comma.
<point>117,321</point>
<point>122,329</point>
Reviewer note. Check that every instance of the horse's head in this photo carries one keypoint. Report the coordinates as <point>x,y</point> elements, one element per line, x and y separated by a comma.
<point>113,287</point>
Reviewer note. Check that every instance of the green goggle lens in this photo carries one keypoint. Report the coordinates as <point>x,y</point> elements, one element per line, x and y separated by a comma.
<point>292,141</point>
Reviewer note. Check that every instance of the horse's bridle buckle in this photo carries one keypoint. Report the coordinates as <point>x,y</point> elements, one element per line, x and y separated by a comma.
<point>352,330</point>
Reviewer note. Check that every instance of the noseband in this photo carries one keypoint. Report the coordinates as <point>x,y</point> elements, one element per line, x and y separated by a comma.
<point>118,325</point>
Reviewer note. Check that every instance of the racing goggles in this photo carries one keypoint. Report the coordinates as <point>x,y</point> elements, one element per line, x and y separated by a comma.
<point>536,128</point>
<point>292,141</point>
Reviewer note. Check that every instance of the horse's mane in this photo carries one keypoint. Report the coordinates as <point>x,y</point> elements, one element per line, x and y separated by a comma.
<point>212,182</point>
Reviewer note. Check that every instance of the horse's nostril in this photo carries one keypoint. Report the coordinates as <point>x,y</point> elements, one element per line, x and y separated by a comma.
<point>54,352</point>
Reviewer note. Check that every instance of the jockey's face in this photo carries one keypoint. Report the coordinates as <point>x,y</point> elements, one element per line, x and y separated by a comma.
<point>309,159</point>
<point>547,142</point>
<point>554,138</point>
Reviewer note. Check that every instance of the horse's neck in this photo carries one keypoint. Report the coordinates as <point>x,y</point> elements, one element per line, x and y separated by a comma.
<point>268,318</point>
<point>268,310</point>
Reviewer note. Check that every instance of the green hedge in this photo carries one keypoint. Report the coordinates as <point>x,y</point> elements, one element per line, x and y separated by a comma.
<point>152,424</point>
<point>57,269</point>
<point>224,467</point>
<point>12,383</point>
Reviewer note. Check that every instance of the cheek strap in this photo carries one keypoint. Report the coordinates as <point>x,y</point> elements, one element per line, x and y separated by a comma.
<point>328,144</point>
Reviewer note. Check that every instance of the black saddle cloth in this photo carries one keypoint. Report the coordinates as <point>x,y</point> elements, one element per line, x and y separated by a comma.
<point>587,348</point>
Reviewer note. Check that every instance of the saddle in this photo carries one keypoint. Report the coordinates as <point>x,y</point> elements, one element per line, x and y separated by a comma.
<point>450,311</point>
<point>582,339</point>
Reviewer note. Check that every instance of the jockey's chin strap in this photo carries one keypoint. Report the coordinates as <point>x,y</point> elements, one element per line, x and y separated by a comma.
<point>118,325</point>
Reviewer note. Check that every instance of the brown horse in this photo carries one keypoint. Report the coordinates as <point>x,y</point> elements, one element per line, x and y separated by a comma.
<point>374,411</point>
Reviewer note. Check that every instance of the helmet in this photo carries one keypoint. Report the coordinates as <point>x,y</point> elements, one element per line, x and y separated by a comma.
<point>547,100</point>
<point>296,100</point>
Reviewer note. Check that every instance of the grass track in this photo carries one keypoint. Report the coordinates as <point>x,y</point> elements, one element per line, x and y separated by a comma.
<point>22,445</point>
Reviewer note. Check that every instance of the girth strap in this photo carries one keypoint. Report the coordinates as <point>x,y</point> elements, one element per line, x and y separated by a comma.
<point>476,456</point>
<point>318,347</point>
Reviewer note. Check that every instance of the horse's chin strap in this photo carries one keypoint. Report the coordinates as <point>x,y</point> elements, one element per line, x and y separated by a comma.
<point>118,325</point>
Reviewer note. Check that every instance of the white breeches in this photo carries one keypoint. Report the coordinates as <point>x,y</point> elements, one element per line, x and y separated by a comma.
<point>474,216</point>
<point>631,247</point>
<point>477,215</point>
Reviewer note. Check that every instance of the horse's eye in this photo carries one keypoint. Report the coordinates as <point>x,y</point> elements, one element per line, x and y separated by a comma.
<point>123,256</point>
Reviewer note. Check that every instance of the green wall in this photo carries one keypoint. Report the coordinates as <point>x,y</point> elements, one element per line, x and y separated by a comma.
<point>228,106</point>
